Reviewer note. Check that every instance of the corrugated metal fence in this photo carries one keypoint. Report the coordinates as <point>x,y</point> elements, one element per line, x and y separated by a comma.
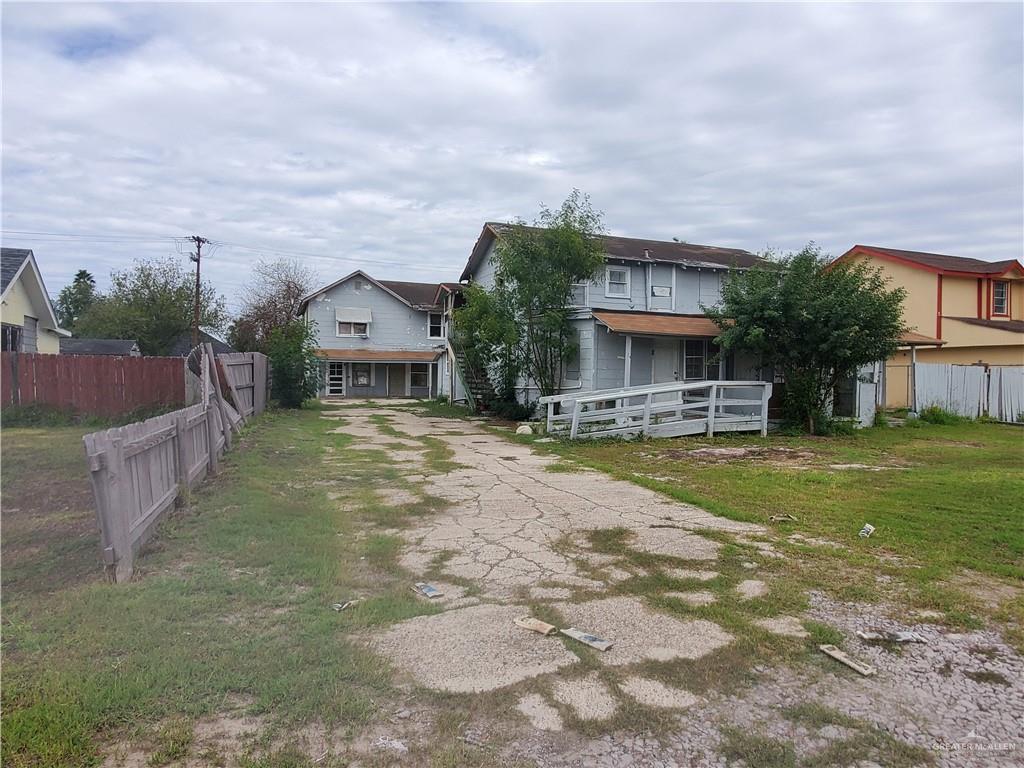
<point>971,390</point>
<point>91,384</point>
<point>138,471</point>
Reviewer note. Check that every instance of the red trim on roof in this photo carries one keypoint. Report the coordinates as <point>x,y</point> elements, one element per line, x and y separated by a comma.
<point>1015,266</point>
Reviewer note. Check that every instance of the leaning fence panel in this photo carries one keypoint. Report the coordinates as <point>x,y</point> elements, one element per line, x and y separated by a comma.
<point>140,470</point>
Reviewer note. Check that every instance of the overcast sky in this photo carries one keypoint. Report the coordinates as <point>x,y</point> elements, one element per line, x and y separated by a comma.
<point>383,136</point>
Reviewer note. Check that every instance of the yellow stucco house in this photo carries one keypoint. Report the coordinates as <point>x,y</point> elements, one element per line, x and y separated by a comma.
<point>28,320</point>
<point>958,310</point>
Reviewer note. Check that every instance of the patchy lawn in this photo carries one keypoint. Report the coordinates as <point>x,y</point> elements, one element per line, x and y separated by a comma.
<point>945,502</point>
<point>227,627</point>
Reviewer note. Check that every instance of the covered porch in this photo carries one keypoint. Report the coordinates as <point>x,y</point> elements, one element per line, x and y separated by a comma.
<point>379,373</point>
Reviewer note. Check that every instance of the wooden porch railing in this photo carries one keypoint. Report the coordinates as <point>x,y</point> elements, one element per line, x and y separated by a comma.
<point>662,410</point>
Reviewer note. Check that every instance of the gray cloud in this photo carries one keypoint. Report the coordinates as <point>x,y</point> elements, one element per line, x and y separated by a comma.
<point>383,136</point>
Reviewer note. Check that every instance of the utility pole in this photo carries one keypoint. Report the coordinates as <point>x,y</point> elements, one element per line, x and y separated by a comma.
<point>196,257</point>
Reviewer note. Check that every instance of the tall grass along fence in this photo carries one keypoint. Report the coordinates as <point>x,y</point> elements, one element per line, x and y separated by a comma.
<point>141,470</point>
<point>971,390</point>
<point>96,385</point>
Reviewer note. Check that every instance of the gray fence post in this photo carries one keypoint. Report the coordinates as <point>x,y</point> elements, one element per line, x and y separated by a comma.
<point>120,511</point>
<point>181,452</point>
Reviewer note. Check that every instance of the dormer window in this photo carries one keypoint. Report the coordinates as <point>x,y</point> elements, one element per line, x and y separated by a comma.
<point>1001,298</point>
<point>617,282</point>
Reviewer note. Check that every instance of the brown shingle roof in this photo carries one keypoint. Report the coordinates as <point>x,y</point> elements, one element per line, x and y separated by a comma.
<point>417,294</point>
<point>914,339</point>
<point>656,324</point>
<point>633,249</point>
<point>939,262</point>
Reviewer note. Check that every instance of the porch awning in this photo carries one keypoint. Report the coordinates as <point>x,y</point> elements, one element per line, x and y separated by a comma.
<point>352,315</point>
<point>656,324</point>
<point>912,339</point>
<point>380,355</point>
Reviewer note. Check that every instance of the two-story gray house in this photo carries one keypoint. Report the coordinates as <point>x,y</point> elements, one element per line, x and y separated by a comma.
<point>640,320</point>
<point>381,338</point>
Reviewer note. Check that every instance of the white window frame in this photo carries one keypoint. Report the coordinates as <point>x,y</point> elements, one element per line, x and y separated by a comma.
<point>444,334</point>
<point>1005,312</point>
<point>352,369</point>
<point>608,282</point>
<point>586,294</point>
<point>352,327</point>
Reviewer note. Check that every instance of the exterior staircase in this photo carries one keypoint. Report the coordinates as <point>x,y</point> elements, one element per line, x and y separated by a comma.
<point>475,381</point>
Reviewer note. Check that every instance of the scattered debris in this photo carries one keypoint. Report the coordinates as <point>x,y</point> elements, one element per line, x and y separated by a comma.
<point>866,531</point>
<point>892,636</point>
<point>843,658</point>
<point>429,591</point>
<point>535,625</point>
<point>781,518</point>
<point>587,639</point>
<point>524,429</point>
<point>348,603</point>
<point>386,742</point>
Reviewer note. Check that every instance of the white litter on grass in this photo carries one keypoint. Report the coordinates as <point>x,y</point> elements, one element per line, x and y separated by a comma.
<point>652,693</point>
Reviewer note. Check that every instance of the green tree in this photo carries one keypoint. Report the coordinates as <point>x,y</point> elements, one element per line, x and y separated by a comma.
<point>152,302</point>
<point>75,299</point>
<point>535,270</point>
<point>486,332</point>
<point>291,349</point>
<point>814,321</point>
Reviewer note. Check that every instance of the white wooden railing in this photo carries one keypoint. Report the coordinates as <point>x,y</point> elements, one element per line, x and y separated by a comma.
<point>661,410</point>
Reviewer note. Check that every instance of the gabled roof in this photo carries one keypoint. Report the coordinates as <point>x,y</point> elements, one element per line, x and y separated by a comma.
<point>14,262</point>
<point>11,261</point>
<point>122,347</point>
<point>632,249</point>
<point>938,262</point>
<point>415,295</point>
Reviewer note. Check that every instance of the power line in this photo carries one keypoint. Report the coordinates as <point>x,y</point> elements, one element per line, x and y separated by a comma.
<point>102,237</point>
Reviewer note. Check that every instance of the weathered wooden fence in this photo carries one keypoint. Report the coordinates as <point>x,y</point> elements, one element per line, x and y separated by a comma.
<point>98,385</point>
<point>138,471</point>
<point>246,376</point>
<point>971,390</point>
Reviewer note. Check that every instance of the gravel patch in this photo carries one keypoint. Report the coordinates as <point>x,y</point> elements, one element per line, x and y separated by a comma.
<point>675,542</point>
<point>698,598</point>
<point>640,634</point>
<point>550,593</point>
<point>470,650</point>
<point>653,693</point>
<point>752,588</point>
<point>588,698</point>
<point>542,715</point>
<point>787,626</point>
<point>686,573</point>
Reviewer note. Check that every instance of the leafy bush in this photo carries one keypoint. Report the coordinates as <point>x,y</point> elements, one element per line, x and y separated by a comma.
<point>296,368</point>
<point>933,414</point>
<point>512,410</point>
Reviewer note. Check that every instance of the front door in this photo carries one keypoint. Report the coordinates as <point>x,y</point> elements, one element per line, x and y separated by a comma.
<point>335,378</point>
<point>666,361</point>
<point>396,379</point>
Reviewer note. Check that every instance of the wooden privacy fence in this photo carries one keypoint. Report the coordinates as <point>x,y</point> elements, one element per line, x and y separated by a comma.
<point>971,390</point>
<point>140,470</point>
<point>246,377</point>
<point>98,385</point>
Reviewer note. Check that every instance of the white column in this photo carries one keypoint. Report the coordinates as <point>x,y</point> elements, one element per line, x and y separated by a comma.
<point>629,360</point>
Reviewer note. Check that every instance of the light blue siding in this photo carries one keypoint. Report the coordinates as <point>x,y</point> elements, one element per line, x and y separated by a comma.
<point>394,324</point>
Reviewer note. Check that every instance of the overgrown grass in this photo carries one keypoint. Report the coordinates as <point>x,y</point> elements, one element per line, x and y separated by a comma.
<point>233,598</point>
<point>37,415</point>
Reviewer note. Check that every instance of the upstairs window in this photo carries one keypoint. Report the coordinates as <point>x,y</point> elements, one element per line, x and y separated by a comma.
<point>353,329</point>
<point>578,295</point>
<point>435,325</point>
<point>1001,297</point>
<point>617,282</point>
<point>353,321</point>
